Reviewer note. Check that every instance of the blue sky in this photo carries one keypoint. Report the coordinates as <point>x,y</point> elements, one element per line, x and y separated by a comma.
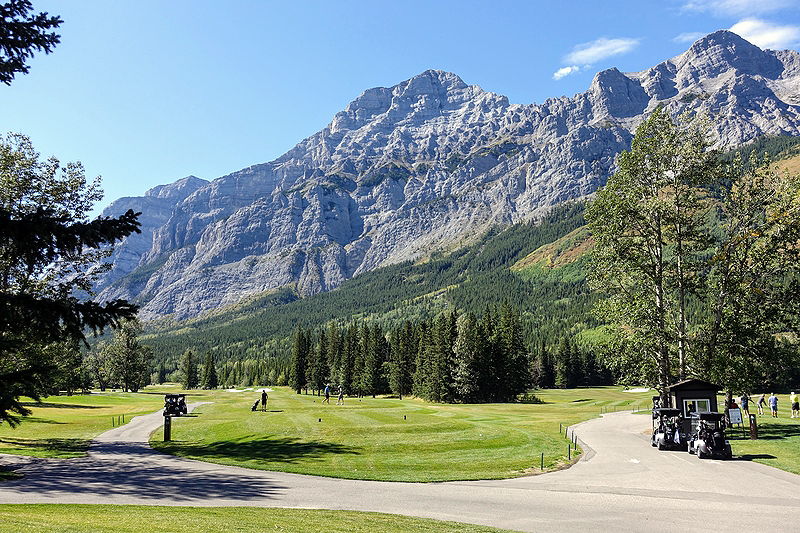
<point>146,92</point>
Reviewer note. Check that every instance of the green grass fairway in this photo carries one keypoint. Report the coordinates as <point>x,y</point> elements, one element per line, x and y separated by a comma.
<point>778,443</point>
<point>136,519</point>
<point>388,439</point>
<point>63,426</point>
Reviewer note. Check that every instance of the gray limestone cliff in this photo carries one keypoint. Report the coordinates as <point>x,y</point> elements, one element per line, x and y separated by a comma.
<point>426,165</point>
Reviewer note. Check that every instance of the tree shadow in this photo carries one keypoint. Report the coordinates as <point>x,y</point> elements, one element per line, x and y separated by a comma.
<point>51,405</point>
<point>53,447</point>
<point>271,449</point>
<point>777,431</point>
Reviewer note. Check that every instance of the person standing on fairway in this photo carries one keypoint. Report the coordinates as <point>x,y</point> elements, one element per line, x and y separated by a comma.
<point>327,395</point>
<point>773,405</point>
<point>264,399</point>
<point>340,399</point>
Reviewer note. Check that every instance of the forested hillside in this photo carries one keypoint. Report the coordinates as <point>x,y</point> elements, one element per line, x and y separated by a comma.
<point>536,268</point>
<point>467,280</point>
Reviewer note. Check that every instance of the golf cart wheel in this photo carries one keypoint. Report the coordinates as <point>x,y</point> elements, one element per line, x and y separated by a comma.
<point>700,454</point>
<point>660,445</point>
<point>689,448</point>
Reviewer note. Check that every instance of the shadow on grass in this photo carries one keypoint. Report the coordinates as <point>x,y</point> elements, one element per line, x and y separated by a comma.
<point>53,447</point>
<point>777,431</point>
<point>753,456</point>
<point>283,449</point>
<point>51,405</point>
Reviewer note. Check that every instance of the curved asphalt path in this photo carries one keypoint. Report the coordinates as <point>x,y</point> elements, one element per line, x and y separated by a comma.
<point>620,484</point>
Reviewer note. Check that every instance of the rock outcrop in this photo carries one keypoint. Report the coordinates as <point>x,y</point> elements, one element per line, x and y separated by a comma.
<point>426,165</point>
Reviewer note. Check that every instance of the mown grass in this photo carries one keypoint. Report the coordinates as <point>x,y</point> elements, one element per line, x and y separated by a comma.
<point>63,426</point>
<point>135,519</point>
<point>778,443</point>
<point>387,439</point>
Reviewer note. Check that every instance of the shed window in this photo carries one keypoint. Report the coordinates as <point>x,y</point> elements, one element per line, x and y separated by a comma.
<point>700,405</point>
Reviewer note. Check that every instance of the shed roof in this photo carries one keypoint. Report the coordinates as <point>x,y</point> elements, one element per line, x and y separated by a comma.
<point>693,384</point>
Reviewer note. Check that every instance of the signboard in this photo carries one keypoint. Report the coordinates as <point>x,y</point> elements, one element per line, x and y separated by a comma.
<point>735,416</point>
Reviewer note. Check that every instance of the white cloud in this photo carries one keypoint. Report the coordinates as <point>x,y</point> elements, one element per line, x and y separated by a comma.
<point>566,71</point>
<point>767,35</point>
<point>588,53</point>
<point>738,7</point>
<point>689,37</point>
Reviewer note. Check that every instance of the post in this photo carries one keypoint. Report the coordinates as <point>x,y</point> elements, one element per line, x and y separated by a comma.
<point>753,427</point>
<point>167,428</point>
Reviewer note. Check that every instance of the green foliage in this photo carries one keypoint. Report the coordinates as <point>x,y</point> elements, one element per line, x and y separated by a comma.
<point>22,33</point>
<point>773,147</point>
<point>210,380</point>
<point>126,360</point>
<point>647,223</point>
<point>698,286</point>
<point>188,371</point>
<point>47,249</point>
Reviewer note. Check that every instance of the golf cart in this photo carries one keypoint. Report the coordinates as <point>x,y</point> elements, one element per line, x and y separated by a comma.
<point>175,404</point>
<point>708,436</point>
<point>667,429</point>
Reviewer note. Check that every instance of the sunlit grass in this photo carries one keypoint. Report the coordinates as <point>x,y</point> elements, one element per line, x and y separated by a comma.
<point>389,439</point>
<point>63,426</point>
<point>153,519</point>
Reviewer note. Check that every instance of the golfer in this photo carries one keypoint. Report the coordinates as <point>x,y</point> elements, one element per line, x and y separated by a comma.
<point>264,399</point>
<point>773,405</point>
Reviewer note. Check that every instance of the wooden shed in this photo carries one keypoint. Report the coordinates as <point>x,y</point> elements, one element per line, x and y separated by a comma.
<point>693,395</point>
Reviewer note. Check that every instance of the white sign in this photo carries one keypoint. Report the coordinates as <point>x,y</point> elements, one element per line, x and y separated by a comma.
<point>735,416</point>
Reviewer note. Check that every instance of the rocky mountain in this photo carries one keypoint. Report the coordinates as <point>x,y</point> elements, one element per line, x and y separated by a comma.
<point>426,165</point>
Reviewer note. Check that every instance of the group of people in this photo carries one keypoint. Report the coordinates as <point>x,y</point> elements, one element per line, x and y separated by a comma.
<point>772,401</point>
<point>339,400</point>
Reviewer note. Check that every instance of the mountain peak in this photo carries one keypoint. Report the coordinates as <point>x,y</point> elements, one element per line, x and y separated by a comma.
<point>722,50</point>
<point>428,164</point>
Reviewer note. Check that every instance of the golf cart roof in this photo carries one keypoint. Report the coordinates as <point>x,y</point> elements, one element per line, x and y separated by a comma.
<point>667,411</point>
<point>166,396</point>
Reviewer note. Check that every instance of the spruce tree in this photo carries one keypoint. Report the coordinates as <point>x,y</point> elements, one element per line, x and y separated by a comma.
<point>299,362</point>
<point>210,380</point>
<point>189,371</point>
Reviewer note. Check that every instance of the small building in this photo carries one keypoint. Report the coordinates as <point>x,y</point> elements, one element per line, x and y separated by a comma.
<point>693,396</point>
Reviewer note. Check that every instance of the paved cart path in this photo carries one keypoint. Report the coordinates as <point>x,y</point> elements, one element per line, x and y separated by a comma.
<point>620,484</point>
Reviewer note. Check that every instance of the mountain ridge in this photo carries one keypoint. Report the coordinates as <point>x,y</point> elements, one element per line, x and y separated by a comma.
<point>430,164</point>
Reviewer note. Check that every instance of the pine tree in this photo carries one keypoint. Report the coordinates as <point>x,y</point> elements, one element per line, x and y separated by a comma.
<point>469,375</point>
<point>189,371</point>
<point>299,362</point>
<point>210,380</point>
